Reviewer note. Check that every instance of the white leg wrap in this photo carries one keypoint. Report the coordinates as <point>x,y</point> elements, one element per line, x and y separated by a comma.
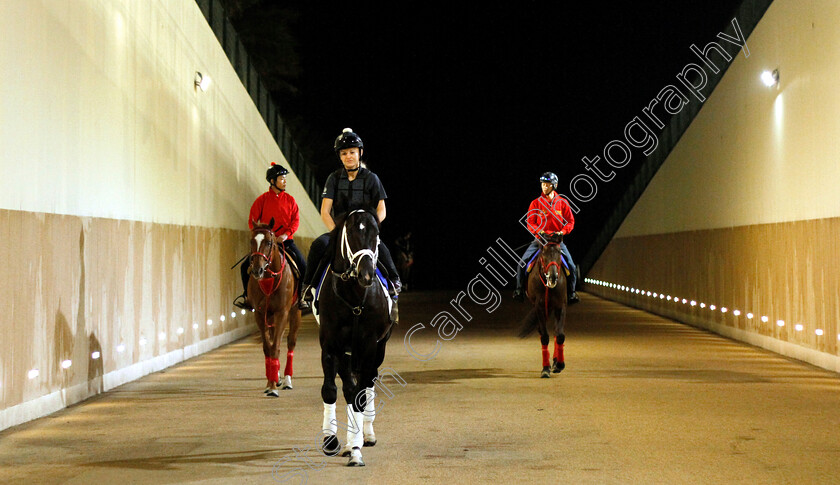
<point>370,410</point>
<point>329,423</point>
<point>358,437</point>
<point>354,431</point>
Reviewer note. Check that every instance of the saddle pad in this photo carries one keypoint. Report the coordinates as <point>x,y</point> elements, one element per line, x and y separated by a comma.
<point>291,262</point>
<point>534,259</point>
<point>316,300</point>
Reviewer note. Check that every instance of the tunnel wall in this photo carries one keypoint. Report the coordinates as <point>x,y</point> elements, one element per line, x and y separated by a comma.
<point>744,214</point>
<point>124,197</point>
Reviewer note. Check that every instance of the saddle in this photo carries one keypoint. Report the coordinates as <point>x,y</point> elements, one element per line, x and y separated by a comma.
<point>291,262</point>
<point>383,285</point>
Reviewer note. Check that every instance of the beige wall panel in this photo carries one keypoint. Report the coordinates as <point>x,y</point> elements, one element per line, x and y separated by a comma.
<point>744,212</point>
<point>124,197</point>
<point>785,271</point>
<point>79,285</point>
<point>100,117</point>
<point>757,155</point>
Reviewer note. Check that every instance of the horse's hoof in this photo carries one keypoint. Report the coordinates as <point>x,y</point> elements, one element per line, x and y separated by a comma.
<point>356,458</point>
<point>331,445</point>
<point>347,450</point>
<point>272,393</point>
<point>287,383</point>
<point>558,367</point>
<point>266,390</point>
<point>546,373</point>
<point>370,440</point>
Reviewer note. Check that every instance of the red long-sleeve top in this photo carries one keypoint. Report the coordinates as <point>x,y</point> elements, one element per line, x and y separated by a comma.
<point>282,207</point>
<point>550,215</point>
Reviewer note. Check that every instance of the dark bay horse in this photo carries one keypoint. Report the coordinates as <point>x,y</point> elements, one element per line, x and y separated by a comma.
<point>547,292</point>
<point>271,291</point>
<point>405,260</point>
<point>355,321</point>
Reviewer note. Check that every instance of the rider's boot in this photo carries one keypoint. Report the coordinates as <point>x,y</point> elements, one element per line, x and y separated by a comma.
<point>242,302</point>
<point>518,295</point>
<point>395,288</point>
<point>573,298</point>
<point>305,303</point>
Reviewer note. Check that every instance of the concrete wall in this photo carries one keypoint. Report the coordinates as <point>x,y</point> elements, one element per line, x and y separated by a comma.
<point>744,214</point>
<point>124,195</point>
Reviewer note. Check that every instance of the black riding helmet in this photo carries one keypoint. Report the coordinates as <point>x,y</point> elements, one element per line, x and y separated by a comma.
<point>348,139</point>
<point>551,178</point>
<point>274,171</point>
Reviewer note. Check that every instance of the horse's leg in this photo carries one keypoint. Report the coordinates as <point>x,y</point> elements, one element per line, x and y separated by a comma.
<point>281,321</point>
<point>559,337</point>
<point>355,418</point>
<point>542,323</point>
<point>271,335</point>
<point>265,334</point>
<point>370,395</point>
<point>291,342</point>
<point>329,393</point>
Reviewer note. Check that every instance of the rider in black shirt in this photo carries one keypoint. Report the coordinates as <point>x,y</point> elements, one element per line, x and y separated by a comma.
<point>347,189</point>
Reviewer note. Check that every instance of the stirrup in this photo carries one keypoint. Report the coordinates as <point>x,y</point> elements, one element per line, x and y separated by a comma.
<point>305,301</point>
<point>242,302</point>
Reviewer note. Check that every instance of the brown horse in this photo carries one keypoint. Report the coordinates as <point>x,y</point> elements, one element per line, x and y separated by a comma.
<point>547,293</point>
<point>271,291</point>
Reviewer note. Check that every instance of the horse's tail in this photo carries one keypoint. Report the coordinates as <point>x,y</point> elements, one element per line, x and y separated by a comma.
<point>529,323</point>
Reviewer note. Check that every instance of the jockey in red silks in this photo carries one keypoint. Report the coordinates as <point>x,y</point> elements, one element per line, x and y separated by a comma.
<point>548,213</point>
<point>279,205</point>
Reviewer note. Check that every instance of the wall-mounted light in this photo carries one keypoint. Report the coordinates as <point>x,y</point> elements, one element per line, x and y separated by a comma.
<point>202,81</point>
<point>770,79</point>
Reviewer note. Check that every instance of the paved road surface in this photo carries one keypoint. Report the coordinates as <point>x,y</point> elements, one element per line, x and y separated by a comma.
<point>642,400</point>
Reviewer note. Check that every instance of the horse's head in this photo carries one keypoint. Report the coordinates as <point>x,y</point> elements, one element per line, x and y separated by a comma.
<point>358,247</point>
<point>550,263</point>
<point>263,245</point>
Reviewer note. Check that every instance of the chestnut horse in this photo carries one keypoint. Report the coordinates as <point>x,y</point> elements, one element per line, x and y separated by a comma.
<point>547,293</point>
<point>271,291</point>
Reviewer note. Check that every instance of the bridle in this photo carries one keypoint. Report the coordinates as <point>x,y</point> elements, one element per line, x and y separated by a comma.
<point>271,242</point>
<point>546,267</point>
<point>354,258</point>
<point>544,272</point>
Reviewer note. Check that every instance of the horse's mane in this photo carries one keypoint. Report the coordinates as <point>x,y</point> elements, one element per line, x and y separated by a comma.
<point>339,223</point>
<point>261,225</point>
